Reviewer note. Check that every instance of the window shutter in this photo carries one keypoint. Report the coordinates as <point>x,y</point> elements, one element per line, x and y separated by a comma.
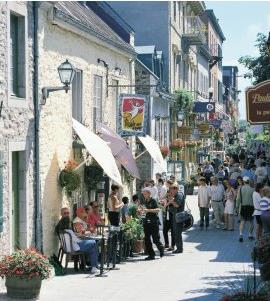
<point>1,191</point>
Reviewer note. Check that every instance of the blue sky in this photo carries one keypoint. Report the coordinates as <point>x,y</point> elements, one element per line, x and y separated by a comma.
<point>240,22</point>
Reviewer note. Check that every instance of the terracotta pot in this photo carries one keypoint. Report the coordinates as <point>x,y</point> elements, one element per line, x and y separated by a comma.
<point>23,288</point>
<point>138,246</point>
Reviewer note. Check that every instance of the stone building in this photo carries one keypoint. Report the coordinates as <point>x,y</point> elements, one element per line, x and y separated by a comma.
<point>17,127</point>
<point>104,65</point>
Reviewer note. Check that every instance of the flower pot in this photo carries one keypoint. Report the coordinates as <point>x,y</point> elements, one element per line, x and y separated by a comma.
<point>23,288</point>
<point>138,246</point>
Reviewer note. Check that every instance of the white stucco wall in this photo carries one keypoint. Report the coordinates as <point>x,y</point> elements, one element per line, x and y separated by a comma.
<point>56,45</point>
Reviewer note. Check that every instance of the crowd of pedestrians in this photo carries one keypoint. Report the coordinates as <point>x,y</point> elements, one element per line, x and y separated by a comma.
<point>235,188</point>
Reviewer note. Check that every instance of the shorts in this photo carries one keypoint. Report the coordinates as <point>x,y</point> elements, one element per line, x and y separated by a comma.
<point>258,220</point>
<point>246,213</point>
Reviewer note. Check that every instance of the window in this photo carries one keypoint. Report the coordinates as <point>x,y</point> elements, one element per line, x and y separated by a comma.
<point>77,96</point>
<point>174,10</point>
<point>97,100</point>
<point>115,92</point>
<point>17,56</point>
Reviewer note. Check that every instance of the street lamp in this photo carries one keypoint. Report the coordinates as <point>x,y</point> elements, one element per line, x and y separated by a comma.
<point>268,43</point>
<point>66,73</point>
<point>180,118</point>
<point>211,93</point>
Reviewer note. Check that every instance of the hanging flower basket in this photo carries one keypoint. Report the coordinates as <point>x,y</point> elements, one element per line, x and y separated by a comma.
<point>191,144</point>
<point>69,179</point>
<point>164,151</point>
<point>177,145</point>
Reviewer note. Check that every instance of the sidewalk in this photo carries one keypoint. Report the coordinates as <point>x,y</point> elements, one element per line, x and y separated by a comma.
<point>211,260</point>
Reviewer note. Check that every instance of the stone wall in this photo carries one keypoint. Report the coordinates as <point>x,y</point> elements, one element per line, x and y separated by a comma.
<point>17,128</point>
<point>57,44</point>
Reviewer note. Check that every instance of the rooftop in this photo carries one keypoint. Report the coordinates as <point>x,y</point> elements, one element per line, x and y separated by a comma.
<point>84,18</point>
<point>211,15</point>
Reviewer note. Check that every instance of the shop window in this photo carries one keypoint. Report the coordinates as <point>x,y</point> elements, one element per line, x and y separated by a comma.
<point>97,100</point>
<point>77,96</point>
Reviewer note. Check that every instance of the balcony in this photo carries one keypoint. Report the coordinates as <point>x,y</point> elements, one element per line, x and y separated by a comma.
<point>194,31</point>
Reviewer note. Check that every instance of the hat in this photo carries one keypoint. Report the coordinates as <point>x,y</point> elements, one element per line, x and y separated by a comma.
<point>147,189</point>
<point>245,179</point>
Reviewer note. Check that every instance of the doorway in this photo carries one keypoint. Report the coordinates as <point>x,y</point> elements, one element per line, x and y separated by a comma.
<point>18,200</point>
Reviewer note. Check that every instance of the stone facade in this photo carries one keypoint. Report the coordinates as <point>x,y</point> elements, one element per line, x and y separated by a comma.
<point>57,42</point>
<point>17,132</point>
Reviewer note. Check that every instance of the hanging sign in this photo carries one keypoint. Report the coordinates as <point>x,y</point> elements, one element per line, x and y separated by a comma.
<point>258,103</point>
<point>204,107</point>
<point>185,130</point>
<point>203,127</point>
<point>133,115</point>
<point>216,123</point>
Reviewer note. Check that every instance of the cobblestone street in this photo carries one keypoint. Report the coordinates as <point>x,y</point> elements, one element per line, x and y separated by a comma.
<point>211,260</point>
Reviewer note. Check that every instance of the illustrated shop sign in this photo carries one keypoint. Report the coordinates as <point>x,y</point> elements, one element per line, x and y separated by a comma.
<point>133,115</point>
<point>258,103</point>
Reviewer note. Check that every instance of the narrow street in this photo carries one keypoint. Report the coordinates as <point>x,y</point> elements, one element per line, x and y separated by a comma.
<point>211,260</point>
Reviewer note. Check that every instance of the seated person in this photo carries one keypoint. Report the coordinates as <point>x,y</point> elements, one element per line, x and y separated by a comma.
<point>124,210</point>
<point>79,223</point>
<point>64,212</point>
<point>88,246</point>
<point>94,219</point>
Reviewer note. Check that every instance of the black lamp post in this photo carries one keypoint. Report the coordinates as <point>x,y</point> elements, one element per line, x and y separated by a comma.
<point>66,73</point>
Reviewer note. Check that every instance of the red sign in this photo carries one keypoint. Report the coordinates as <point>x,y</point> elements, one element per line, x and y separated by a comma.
<point>258,103</point>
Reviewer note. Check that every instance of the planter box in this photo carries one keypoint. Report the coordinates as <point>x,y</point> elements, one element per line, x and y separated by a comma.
<point>23,288</point>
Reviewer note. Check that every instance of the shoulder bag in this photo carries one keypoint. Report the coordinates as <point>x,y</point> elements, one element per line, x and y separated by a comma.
<point>184,216</point>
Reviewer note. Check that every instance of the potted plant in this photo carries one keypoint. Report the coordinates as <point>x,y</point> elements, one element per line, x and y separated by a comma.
<point>191,144</point>
<point>177,145</point>
<point>133,231</point>
<point>164,151</point>
<point>24,271</point>
<point>69,178</point>
<point>189,187</point>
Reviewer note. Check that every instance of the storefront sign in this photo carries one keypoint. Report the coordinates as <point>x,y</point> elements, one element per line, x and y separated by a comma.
<point>216,123</point>
<point>203,127</point>
<point>258,103</point>
<point>133,115</point>
<point>204,107</point>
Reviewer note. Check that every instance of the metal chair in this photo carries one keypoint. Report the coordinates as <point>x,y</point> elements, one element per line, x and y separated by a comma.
<point>78,256</point>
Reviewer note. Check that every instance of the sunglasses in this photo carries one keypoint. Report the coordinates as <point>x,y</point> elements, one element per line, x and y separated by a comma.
<point>66,213</point>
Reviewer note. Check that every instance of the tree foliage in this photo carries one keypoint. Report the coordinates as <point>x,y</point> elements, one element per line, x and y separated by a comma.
<point>184,100</point>
<point>258,67</point>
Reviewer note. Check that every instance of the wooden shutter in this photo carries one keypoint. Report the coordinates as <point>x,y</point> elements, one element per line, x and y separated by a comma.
<point>1,191</point>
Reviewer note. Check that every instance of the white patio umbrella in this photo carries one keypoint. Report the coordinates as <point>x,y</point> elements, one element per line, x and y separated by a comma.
<point>100,151</point>
<point>152,147</point>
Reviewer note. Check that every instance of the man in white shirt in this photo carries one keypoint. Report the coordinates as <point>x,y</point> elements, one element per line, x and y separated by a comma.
<point>217,195</point>
<point>204,198</point>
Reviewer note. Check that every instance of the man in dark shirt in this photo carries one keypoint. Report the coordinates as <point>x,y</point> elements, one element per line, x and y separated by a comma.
<point>177,204</point>
<point>151,225</point>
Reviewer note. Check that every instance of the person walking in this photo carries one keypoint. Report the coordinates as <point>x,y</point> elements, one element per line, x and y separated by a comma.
<point>261,173</point>
<point>204,198</point>
<point>257,196</point>
<point>168,222</point>
<point>244,205</point>
<point>265,208</point>
<point>230,195</point>
<point>176,205</point>
<point>217,196</point>
<point>151,225</point>
<point>208,172</point>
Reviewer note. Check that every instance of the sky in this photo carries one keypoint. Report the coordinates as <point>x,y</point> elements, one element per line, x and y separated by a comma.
<point>240,22</point>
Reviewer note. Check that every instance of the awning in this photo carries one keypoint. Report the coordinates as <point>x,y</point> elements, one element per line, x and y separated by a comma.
<point>100,151</point>
<point>152,147</point>
<point>119,148</point>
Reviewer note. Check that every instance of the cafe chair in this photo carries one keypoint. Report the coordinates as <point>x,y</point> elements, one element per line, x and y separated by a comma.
<point>77,256</point>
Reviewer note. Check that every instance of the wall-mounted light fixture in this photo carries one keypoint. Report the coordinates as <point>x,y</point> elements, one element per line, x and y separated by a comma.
<point>180,118</point>
<point>119,70</point>
<point>211,93</point>
<point>66,73</point>
<point>107,74</point>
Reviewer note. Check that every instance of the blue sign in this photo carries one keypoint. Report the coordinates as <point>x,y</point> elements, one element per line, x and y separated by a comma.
<point>216,123</point>
<point>204,107</point>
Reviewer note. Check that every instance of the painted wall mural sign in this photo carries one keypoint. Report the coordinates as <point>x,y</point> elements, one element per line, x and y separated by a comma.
<point>258,103</point>
<point>133,115</point>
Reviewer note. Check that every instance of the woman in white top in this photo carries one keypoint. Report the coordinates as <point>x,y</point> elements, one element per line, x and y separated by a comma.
<point>257,196</point>
<point>265,208</point>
